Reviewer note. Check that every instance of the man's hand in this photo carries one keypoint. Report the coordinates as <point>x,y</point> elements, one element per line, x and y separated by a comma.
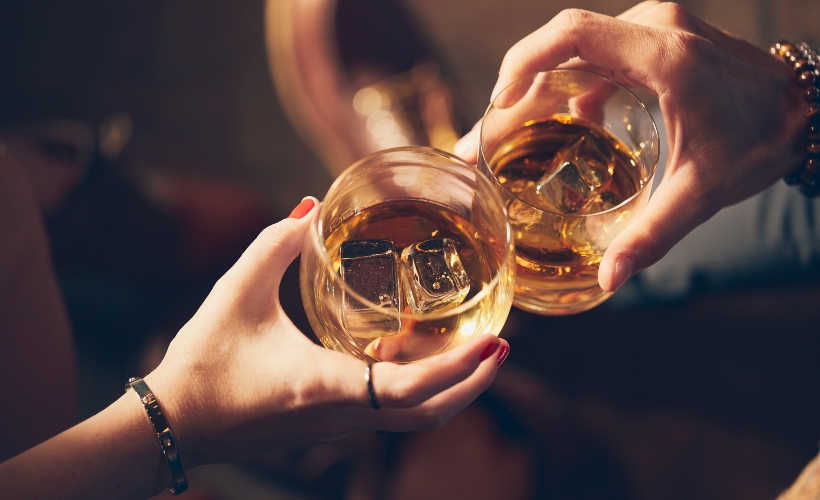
<point>733,114</point>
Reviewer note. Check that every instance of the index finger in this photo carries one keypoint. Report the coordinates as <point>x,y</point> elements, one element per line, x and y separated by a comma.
<point>634,50</point>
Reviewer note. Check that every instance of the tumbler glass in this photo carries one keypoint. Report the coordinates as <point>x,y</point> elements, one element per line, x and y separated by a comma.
<point>410,255</point>
<point>573,154</point>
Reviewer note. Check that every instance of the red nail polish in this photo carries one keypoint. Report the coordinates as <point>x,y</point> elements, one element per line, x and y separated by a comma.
<point>302,209</point>
<point>502,354</point>
<point>489,350</point>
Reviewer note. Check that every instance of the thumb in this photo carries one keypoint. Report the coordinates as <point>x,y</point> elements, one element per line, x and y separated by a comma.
<point>264,262</point>
<point>677,207</point>
<point>467,147</point>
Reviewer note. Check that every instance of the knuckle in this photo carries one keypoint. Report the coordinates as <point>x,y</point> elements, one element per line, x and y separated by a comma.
<point>684,53</point>
<point>272,234</point>
<point>658,242</point>
<point>402,396</point>
<point>274,238</point>
<point>429,421</point>
<point>673,14</point>
<point>463,367</point>
<point>221,285</point>
<point>684,45</point>
<point>571,19</point>
<point>226,290</point>
<point>514,55</point>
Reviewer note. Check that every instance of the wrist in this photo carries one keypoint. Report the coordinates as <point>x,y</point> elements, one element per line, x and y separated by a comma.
<point>803,62</point>
<point>173,399</point>
<point>789,142</point>
<point>147,447</point>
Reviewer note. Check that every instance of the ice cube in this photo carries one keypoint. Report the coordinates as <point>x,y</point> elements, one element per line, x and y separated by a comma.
<point>604,201</point>
<point>433,276</point>
<point>370,268</point>
<point>573,179</point>
<point>592,156</point>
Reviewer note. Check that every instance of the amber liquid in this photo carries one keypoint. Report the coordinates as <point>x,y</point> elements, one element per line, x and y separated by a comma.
<point>558,254</point>
<point>405,223</point>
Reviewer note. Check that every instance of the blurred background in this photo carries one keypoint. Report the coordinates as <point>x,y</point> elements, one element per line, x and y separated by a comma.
<point>180,129</point>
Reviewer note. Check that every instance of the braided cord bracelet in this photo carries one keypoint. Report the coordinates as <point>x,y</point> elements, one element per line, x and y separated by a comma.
<point>806,64</point>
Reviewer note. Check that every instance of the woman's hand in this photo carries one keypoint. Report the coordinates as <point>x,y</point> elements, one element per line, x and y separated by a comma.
<point>733,114</point>
<point>239,378</point>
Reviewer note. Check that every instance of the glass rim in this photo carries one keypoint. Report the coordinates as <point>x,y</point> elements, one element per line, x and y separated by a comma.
<point>646,180</point>
<point>316,226</point>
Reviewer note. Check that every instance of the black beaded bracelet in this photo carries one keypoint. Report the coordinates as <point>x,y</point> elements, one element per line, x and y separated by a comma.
<point>806,64</point>
<point>179,482</point>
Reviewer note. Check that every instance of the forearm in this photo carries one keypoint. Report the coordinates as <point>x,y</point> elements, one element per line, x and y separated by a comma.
<point>36,347</point>
<point>114,454</point>
<point>807,486</point>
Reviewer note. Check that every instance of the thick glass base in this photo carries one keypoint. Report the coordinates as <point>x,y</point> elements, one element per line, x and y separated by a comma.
<point>551,302</point>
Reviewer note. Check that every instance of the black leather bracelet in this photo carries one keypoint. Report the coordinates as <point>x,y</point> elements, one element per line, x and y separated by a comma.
<point>179,482</point>
<point>806,65</point>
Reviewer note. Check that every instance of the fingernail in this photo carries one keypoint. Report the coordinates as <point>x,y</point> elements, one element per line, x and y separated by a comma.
<point>489,350</point>
<point>302,209</point>
<point>624,267</point>
<point>502,354</point>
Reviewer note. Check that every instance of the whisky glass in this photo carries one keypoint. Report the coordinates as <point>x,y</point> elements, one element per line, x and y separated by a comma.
<point>574,154</point>
<point>411,254</point>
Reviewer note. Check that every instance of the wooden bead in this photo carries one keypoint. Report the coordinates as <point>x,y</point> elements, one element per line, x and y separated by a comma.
<point>803,65</point>
<point>807,79</point>
<point>813,132</point>
<point>806,64</point>
<point>784,47</point>
<point>812,164</point>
